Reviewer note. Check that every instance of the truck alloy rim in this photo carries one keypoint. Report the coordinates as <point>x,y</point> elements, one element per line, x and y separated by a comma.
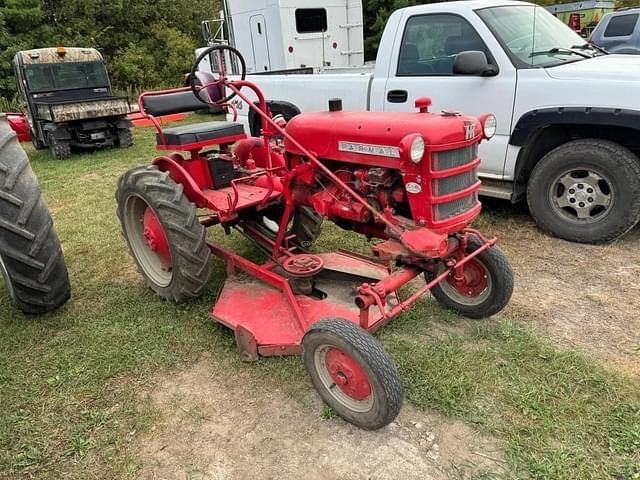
<point>343,378</point>
<point>148,241</point>
<point>7,280</point>
<point>582,195</point>
<point>474,288</point>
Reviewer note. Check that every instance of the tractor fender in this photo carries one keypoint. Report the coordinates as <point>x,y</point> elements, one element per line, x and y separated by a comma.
<point>182,177</point>
<point>59,132</point>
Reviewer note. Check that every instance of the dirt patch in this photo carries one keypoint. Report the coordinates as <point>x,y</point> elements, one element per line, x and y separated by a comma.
<point>216,426</point>
<point>582,296</point>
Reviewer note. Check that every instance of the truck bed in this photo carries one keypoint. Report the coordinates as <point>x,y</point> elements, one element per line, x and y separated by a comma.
<point>70,110</point>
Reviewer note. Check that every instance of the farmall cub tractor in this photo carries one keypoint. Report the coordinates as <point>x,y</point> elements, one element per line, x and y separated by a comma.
<point>407,179</point>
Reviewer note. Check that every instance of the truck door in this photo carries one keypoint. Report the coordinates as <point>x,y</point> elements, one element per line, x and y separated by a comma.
<point>259,43</point>
<point>423,66</point>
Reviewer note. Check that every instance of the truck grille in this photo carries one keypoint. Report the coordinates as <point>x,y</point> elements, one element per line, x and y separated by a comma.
<point>453,158</point>
<point>446,160</point>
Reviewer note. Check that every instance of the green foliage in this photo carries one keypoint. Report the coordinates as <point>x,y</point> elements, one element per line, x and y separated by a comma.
<point>146,43</point>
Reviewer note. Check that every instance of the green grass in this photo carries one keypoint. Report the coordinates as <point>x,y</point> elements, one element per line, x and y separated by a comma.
<point>73,384</point>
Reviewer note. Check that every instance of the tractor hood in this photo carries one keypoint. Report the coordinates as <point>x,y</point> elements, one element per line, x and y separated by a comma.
<point>375,138</point>
<point>606,67</point>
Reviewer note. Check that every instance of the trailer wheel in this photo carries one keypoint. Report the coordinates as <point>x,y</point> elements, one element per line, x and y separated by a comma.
<point>31,259</point>
<point>486,288</point>
<point>352,373</point>
<point>164,235</point>
<point>125,138</point>
<point>59,149</point>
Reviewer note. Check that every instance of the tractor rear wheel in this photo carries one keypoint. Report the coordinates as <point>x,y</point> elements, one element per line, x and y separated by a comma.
<point>31,259</point>
<point>352,373</point>
<point>486,288</point>
<point>164,235</point>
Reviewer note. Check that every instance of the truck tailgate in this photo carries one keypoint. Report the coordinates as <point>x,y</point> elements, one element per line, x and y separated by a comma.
<point>83,109</point>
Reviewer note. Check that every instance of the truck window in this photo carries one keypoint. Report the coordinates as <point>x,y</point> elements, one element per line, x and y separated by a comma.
<point>431,42</point>
<point>311,20</point>
<point>621,25</point>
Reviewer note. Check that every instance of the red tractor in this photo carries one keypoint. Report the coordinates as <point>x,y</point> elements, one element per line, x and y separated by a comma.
<point>407,179</point>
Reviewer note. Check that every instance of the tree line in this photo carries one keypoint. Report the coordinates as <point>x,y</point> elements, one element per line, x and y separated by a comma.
<point>147,43</point>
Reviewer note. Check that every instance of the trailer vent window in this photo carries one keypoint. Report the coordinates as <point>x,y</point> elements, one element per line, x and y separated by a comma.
<point>311,20</point>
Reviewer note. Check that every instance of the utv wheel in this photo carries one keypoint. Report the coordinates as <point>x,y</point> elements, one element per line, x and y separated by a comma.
<point>486,288</point>
<point>586,191</point>
<point>352,373</point>
<point>164,234</point>
<point>125,138</point>
<point>31,259</point>
<point>60,150</point>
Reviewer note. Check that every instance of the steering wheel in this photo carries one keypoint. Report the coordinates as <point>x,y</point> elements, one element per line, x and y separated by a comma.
<point>212,85</point>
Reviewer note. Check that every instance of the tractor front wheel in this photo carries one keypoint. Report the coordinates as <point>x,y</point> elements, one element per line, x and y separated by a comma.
<point>352,373</point>
<point>485,288</point>
<point>163,232</point>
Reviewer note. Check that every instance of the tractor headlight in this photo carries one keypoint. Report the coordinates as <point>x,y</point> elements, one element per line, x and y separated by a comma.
<point>416,151</point>
<point>489,125</point>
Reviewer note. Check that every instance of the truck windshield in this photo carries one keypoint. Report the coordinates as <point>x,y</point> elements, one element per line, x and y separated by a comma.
<point>65,76</point>
<point>533,36</point>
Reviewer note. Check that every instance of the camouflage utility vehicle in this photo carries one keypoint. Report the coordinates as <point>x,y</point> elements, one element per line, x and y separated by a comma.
<point>68,100</point>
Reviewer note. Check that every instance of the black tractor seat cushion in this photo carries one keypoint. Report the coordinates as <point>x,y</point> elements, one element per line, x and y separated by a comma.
<point>199,132</point>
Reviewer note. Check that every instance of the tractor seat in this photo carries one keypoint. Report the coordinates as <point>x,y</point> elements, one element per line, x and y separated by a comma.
<point>199,132</point>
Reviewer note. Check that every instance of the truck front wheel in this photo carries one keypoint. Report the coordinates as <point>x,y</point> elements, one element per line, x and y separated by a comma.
<point>586,191</point>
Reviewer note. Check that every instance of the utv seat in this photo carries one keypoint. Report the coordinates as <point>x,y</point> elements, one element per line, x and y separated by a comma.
<point>192,136</point>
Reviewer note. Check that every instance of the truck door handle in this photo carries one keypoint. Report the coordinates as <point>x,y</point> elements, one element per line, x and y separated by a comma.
<point>397,96</point>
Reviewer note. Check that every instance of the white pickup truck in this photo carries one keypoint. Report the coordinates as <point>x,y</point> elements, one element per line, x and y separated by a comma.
<point>568,135</point>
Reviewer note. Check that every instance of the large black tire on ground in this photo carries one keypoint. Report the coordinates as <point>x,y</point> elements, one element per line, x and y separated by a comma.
<point>60,149</point>
<point>191,266</point>
<point>387,392</point>
<point>125,137</point>
<point>619,170</point>
<point>31,258</point>
<point>306,226</point>
<point>498,291</point>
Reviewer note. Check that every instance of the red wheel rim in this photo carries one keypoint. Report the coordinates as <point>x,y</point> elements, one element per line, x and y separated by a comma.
<point>347,374</point>
<point>474,281</point>
<point>155,238</point>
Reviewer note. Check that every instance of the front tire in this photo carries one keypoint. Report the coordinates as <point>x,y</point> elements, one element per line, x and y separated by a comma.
<point>487,286</point>
<point>164,235</point>
<point>31,259</point>
<point>352,373</point>
<point>586,191</point>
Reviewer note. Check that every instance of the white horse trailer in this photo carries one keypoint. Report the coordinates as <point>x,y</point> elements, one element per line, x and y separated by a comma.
<point>276,35</point>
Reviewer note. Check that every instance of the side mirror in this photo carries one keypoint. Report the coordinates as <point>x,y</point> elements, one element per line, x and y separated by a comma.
<point>473,62</point>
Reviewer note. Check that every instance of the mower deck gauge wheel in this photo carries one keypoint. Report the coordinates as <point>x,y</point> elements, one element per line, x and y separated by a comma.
<point>352,373</point>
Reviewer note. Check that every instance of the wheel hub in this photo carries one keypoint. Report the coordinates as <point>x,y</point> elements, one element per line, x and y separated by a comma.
<point>347,374</point>
<point>582,194</point>
<point>155,238</point>
<point>473,280</point>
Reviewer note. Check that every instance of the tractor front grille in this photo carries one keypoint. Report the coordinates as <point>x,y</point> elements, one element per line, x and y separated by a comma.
<point>453,158</point>
<point>448,185</point>
<point>451,209</point>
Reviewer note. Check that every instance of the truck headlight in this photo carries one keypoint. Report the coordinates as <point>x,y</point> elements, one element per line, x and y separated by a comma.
<point>417,149</point>
<point>489,125</point>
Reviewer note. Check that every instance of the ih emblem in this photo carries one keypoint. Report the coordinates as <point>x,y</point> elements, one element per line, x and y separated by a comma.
<point>469,130</point>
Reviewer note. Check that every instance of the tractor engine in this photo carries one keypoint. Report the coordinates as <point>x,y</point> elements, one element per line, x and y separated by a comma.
<point>418,168</point>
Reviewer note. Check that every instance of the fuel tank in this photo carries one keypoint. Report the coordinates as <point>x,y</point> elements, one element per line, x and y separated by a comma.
<point>374,137</point>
